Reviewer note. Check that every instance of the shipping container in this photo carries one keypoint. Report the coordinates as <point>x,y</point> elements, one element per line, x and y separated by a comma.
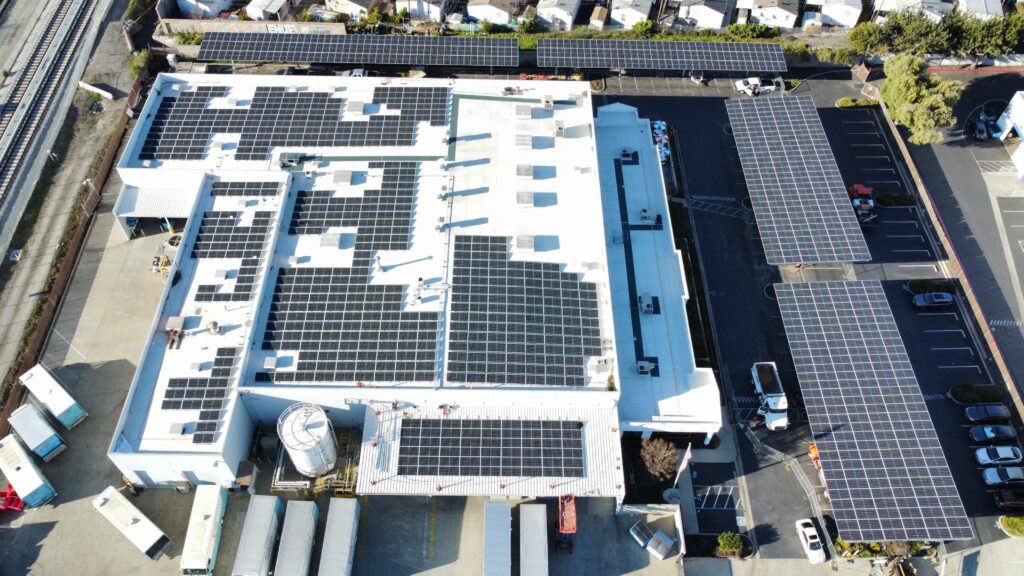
<point>49,392</point>
<point>259,535</point>
<point>533,539</point>
<point>202,541</point>
<point>297,536</point>
<point>36,433</point>
<point>131,523</point>
<point>22,473</point>
<point>339,545</point>
<point>497,539</point>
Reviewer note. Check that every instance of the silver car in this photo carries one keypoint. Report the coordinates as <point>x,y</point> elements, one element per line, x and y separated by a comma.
<point>1002,476</point>
<point>994,455</point>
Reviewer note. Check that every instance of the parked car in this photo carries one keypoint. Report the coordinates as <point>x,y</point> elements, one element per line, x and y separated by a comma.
<point>934,300</point>
<point>982,413</point>
<point>1002,476</point>
<point>356,73</point>
<point>810,541</point>
<point>1009,499</point>
<point>992,434</point>
<point>998,455</point>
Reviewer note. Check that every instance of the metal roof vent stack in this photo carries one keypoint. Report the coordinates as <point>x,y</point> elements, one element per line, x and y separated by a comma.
<point>308,437</point>
<point>548,102</point>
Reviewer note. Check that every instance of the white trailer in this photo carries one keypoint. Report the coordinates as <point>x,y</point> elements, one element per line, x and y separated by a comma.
<point>296,549</point>
<point>533,539</point>
<point>36,433</point>
<point>22,473</point>
<point>48,391</point>
<point>772,396</point>
<point>131,523</point>
<point>339,545</point>
<point>202,541</point>
<point>497,539</point>
<point>259,535</point>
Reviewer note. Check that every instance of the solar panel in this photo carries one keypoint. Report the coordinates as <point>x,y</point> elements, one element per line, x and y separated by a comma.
<point>518,322</point>
<point>886,473</point>
<point>359,49</point>
<point>183,125</point>
<point>509,448</point>
<point>802,209</point>
<point>653,55</point>
<point>206,394</point>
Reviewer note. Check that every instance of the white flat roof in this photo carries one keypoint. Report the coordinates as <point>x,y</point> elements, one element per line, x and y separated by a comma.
<point>679,397</point>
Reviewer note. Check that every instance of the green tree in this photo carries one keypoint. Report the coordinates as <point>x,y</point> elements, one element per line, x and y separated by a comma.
<point>967,35</point>
<point>305,16</point>
<point>752,31</point>
<point>528,24</point>
<point>138,63</point>
<point>922,102</point>
<point>867,38</point>
<point>643,28</point>
<point>730,543</point>
<point>911,32</point>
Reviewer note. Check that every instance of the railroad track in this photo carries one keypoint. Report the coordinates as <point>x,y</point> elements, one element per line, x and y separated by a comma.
<point>39,102</point>
<point>32,66</point>
<point>5,7</point>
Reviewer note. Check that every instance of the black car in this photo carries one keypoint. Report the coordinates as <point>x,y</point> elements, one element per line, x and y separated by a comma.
<point>992,433</point>
<point>1009,499</point>
<point>982,413</point>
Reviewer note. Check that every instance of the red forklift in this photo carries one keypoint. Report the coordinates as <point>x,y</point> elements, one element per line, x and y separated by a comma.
<point>863,200</point>
<point>566,523</point>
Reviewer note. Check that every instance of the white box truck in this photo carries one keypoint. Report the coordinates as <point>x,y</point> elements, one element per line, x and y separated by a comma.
<point>297,537</point>
<point>202,541</point>
<point>770,393</point>
<point>533,539</point>
<point>259,535</point>
<point>131,523</point>
<point>36,433</point>
<point>339,545</point>
<point>48,391</point>
<point>497,539</point>
<point>23,474</point>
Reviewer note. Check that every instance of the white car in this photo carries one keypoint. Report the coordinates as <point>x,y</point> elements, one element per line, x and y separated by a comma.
<point>356,73</point>
<point>1001,476</point>
<point>810,540</point>
<point>752,87</point>
<point>998,455</point>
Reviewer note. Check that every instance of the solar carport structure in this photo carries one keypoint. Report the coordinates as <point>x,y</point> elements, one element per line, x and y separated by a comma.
<point>359,49</point>
<point>654,55</point>
<point>800,202</point>
<point>886,473</point>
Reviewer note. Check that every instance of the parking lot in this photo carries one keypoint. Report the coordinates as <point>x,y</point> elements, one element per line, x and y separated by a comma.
<point>865,155</point>
<point>717,496</point>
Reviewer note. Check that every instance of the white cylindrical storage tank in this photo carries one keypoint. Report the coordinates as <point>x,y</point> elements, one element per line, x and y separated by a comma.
<point>308,437</point>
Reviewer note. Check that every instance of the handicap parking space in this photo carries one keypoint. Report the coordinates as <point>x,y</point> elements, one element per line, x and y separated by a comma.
<point>865,155</point>
<point>717,496</point>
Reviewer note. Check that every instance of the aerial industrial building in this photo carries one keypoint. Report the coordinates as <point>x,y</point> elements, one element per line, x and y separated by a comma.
<point>479,275</point>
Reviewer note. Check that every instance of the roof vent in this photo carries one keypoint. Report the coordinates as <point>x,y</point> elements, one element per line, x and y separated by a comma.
<point>524,198</point>
<point>177,428</point>
<point>525,242</point>
<point>354,106</point>
<point>548,102</point>
<point>524,171</point>
<point>343,177</point>
<point>524,140</point>
<point>559,129</point>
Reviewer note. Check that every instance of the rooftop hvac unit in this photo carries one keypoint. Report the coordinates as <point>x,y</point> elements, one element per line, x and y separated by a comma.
<point>177,428</point>
<point>548,102</point>
<point>524,198</point>
<point>330,240</point>
<point>559,129</point>
<point>354,106</point>
<point>524,171</point>
<point>644,368</point>
<point>525,242</point>
<point>524,140</point>
<point>342,176</point>
<point>626,153</point>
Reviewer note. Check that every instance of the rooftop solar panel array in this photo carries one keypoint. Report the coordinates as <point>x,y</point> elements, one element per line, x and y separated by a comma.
<point>359,49</point>
<point>509,448</point>
<point>886,473</point>
<point>802,209</point>
<point>652,55</point>
<point>183,125</point>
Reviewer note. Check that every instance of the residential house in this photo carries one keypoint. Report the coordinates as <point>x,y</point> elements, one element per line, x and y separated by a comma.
<point>203,8</point>
<point>558,14</point>
<point>935,10</point>
<point>422,9</point>
<point>983,9</point>
<point>705,14</point>
<point>269,9</point>
<point>503,12</point>
<point>355,9</point>
<point>626,13</point>
<point>839,13</point>
<point>779,13</point>
<point>598,18</point>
